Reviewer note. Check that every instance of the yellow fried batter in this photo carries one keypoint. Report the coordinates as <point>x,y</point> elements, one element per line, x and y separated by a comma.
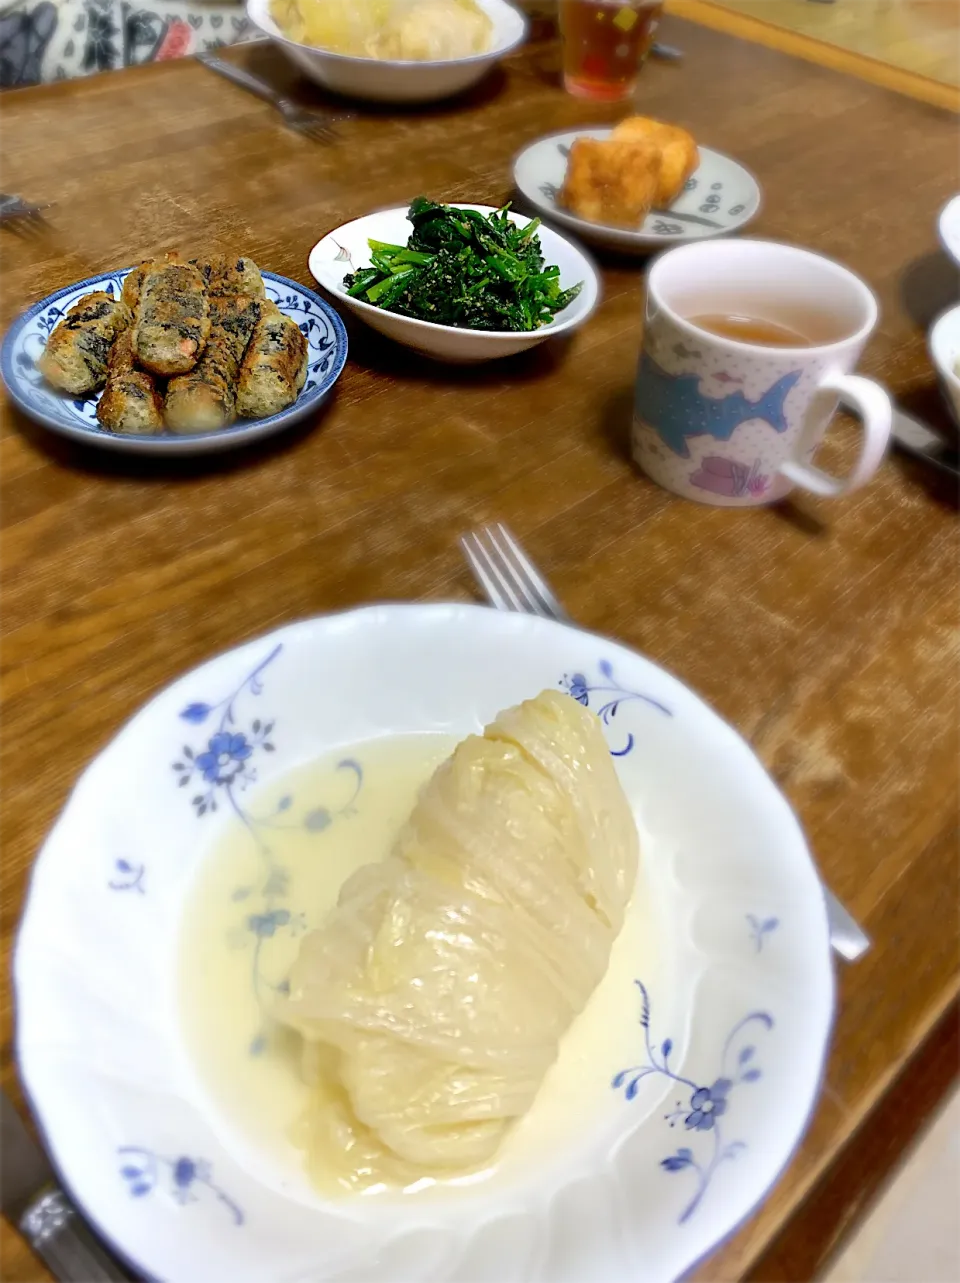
<point>679,155</point>
<point>612,180</point>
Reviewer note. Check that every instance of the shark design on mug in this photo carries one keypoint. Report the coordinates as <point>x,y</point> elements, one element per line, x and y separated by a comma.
<point>675,408</point>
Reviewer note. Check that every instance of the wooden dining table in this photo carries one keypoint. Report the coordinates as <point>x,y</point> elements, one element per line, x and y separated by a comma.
<point>826,631</point>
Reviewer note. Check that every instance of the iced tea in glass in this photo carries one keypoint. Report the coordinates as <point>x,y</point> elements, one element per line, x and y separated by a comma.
<point>604,45</point>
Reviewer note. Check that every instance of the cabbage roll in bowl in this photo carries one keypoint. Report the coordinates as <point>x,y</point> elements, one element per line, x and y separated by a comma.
<point>392,50</point>
<point>432,1000</point>
<point>396,30</point>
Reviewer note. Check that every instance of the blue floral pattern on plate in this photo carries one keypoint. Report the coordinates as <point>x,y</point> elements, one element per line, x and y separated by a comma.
<point>143,1170</point>
<point>612,695</point>
<point>760,927</point>
<point>706,1103</point>
<point>127,876</point>
<point>222,769</point>
<point>25,340</point>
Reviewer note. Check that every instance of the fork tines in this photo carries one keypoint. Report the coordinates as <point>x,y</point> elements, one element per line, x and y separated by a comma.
<point>20,217</point>
<point>506,574</point>
<point>28,225</point>
<point>317,130</point>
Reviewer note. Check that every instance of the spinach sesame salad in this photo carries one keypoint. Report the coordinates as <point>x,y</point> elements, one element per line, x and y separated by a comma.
<point>465,269</point>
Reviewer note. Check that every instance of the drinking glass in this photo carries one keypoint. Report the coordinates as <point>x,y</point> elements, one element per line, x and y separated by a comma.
<point>605,42</point>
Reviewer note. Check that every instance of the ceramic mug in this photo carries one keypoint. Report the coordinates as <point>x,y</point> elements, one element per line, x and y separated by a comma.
<point>737,423</point>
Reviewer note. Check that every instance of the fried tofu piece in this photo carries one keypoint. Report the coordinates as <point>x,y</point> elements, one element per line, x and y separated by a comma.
<point>611,180</point>
<point>206,398</point>
<point>275,366</point>
<point>173,317</point>
<point>77,352</point>
<point>130,403</point>
<point>679,155</point>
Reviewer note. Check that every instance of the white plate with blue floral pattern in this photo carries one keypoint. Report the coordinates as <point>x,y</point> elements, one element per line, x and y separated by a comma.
<point>77,417</point>
<point>719,197</point>
<point>697,1097</point>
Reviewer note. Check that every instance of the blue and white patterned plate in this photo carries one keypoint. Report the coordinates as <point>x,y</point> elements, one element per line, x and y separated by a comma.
<point>25,340</point>
<point>720,197</point>
<point>700,1076</point>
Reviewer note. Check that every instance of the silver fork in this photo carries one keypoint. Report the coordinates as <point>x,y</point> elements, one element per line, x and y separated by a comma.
<point>318,125</point>
<point>511,581</point>
<point>20,217</point>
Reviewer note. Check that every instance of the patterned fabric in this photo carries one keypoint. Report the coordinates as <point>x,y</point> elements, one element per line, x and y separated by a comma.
<point>44,40</point>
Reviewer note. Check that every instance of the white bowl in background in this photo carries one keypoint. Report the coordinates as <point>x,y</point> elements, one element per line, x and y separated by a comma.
<point>950,228</point>
<point>945,350</point>
<point>384,80</point>
<point>345,249</point>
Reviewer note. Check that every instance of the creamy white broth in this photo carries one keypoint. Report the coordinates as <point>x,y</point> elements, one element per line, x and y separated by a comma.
<point>267,882</point>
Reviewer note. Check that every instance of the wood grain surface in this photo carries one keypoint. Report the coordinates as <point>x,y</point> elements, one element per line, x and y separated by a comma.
<point>825,34</point>
<point>827,632</point>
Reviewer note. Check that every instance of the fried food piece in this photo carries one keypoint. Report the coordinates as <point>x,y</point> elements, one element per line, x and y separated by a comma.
<point>205,399</point>
<point>133,283</point>
<point>235,318</point>
<point>76,355</point>
<point>679,155</point>
<point>275,366</point>
<point>130,403</point>
<point>611,181</point>
<point>231,276</point>
<point>173,317</point>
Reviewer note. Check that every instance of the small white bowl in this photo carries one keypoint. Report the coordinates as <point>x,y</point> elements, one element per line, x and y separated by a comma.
<point>384,80</point>
<point>945,349</point>
<point>950,228</point>
<point>345,249</point>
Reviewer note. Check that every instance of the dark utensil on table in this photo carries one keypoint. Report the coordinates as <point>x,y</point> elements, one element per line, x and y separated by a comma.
<point>315,124</point>
<point>915,438</point>
<point>20,217</point>
<point>31,1199</point>
<point>666,53</point>
<point>510,581</point>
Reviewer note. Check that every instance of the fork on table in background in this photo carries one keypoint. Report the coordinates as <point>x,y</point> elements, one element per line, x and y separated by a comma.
<point>20,217</point>
<point>309,121</point>
<point>510,581</point>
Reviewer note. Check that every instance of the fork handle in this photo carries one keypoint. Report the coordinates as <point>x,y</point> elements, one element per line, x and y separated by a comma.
<point>58,1234</point>
<point>240,77</point>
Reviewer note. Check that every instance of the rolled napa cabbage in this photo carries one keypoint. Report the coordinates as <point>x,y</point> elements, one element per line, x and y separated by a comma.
<point>432,999</point>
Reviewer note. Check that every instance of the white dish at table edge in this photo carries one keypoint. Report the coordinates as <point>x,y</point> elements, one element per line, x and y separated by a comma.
<point>741,1002</point>
<point>386,80</point>
<point>75,417</point>
<point>944,344</point>
<point>345,250</point>
<point>949,226</point>
<point>720,190</point>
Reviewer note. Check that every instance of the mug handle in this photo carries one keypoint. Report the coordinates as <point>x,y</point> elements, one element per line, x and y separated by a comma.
<point>876,413</point>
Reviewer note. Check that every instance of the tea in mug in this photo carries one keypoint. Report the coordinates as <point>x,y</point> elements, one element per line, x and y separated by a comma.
<point>799,331</point>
